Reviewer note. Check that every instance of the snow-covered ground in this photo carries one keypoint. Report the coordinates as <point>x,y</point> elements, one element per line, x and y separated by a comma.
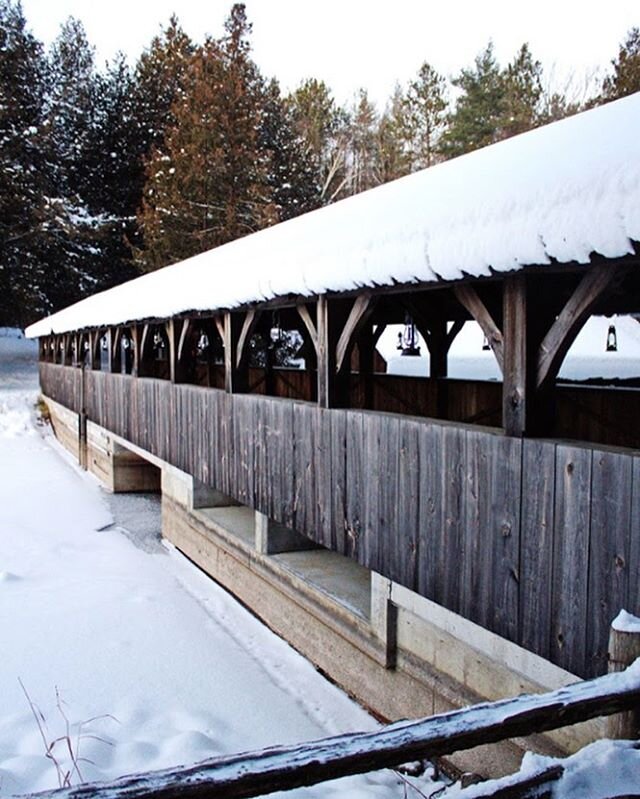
<point>157,664</point>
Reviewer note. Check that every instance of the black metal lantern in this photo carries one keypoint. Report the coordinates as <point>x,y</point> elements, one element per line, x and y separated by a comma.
<point>408,338</point>
<point>612,339</point>
<point>276,333</point>
<point>202,345</point>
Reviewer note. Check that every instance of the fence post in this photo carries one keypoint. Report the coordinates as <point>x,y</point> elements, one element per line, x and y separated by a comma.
<point>624,649</point>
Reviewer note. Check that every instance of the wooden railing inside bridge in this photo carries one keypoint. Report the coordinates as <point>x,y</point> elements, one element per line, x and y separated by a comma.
<point>536,540</point>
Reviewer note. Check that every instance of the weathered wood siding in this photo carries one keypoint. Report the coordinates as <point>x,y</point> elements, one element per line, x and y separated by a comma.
<point>535,540</point>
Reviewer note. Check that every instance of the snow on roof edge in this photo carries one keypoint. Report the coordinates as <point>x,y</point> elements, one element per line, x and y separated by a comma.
<point>557,193</point>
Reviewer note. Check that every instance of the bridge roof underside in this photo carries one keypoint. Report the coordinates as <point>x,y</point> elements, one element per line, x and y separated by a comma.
<point>561,194</point>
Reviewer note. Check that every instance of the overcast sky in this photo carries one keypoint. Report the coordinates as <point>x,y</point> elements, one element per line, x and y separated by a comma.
<point>354,43</point>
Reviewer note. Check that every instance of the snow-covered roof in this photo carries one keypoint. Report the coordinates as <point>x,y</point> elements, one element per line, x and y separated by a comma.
<point>561,192</point>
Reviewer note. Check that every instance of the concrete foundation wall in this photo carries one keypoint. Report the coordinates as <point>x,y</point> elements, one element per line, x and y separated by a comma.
<point>119,468</point>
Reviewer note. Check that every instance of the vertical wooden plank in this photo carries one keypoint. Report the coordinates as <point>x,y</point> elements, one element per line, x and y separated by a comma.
<point>503,518</point>
<point>356,475</point>
<point>406,520</point>
<point>286,459</point>
<point>341,541</point>
<point>448,581</point>
<point>609,552</point>
<point>633,591</point>
<point>370,554</point>
<point>391,546</point>
<point>431,511</point>
<point>536,559</point>
<point>322,468</point>
<point>515,383</point>
<point>304,472</point>
<point>476,549</point>
<point>570,557</point>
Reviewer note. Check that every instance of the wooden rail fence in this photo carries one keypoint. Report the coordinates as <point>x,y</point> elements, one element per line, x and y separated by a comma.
<point>535,540</point>
<point>283,768</point>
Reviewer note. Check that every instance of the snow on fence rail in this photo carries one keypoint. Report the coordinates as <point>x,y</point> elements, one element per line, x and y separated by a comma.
<point>283,768</point>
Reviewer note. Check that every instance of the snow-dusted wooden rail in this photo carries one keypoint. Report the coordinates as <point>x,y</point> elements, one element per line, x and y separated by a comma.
<point>283,768</point>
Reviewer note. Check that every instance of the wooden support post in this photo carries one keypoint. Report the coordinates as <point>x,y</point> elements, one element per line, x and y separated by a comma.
<point>518,378</point>
<point>624,649</point>
<point>108,359</point>
<point>527,409</point>
<point>136,340</point>
<point>180,365</point>
<point>333,387</point>
<point>366,365</point>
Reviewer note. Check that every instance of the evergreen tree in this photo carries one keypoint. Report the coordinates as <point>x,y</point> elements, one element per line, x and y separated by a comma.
<point>72,110</point>
<point>294,176</point>
<point>626,69</point>
<point>22,85</point>
<point>394,154</point>
<point>363,145</point>
<point>209,184</point>
<point>426,106</point>
<point>523,94</point>
<point>325,128</point>
<point>159,84</point>
<point>480,109</point>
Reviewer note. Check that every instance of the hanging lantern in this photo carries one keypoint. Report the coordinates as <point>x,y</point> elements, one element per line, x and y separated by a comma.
<point>104,343</point>
<point>612,339</point>
<point>202,343</point>
<point>275,333</point>
<point>408,339</point>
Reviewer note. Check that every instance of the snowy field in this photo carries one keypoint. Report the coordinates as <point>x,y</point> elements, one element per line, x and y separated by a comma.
<point>157,664</point>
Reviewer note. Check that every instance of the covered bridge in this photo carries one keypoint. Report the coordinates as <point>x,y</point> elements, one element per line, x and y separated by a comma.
<point>514,505</point>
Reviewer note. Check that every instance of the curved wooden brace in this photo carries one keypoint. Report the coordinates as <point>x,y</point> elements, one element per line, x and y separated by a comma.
<point>569,322</point>
<point>361,311</point>
<point>303,311</point>
<point>469,298</point>
<point>248,328</point>
<point>187,330</point>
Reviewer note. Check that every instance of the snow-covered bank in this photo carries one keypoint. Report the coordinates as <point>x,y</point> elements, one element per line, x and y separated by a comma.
<point>164,666</point>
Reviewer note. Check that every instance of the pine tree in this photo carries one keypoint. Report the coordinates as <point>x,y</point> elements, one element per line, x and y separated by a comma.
<point>426,106</point>
<point>209,184</point>
<point>394,153</point>
<point>626,69</point>
<point>294,175</point>
<point>363,146</point>
<point>480,109</point>
<point>72,110</point>
<point>159,83</point>
<point>523,94</point>
<point>22,85</point>
<point>325,128</point>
